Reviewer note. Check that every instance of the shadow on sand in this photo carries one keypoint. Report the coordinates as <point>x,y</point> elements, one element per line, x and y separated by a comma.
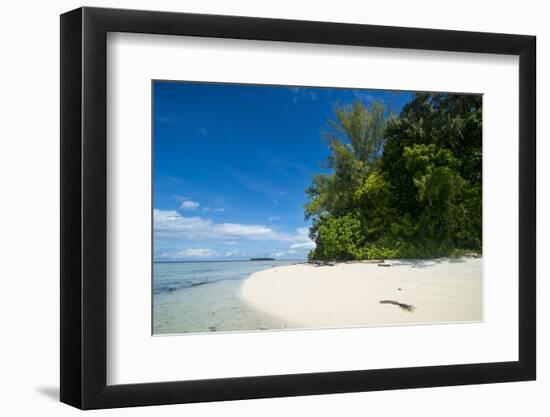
<point>427,263</point>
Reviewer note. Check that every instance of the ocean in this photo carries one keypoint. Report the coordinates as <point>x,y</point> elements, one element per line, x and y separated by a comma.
<point>193,297</point>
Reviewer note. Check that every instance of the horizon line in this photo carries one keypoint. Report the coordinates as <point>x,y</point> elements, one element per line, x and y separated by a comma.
<point>229,260</point>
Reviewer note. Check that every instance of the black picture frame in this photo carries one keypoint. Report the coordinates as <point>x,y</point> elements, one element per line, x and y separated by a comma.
<point>84,207</point>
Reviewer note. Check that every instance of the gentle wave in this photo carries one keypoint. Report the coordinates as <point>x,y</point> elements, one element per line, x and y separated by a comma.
<point>174,276</point>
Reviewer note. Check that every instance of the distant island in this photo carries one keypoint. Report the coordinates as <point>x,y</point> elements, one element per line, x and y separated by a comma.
<point>262,259</point>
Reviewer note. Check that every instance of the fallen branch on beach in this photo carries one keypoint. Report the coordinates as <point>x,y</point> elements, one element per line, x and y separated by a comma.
<point>321,263</point>
<point>407,307</point>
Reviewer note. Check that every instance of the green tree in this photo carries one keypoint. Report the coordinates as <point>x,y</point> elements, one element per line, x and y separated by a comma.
<point>407,186</point>
<point>355,139</point>
<point>339,238</point>
<point>432,158</point>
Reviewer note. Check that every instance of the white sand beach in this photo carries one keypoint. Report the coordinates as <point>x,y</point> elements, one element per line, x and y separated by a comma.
<point>350,294</point>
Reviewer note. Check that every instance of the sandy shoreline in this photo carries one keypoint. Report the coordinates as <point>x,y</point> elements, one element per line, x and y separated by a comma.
<point>349,294</point>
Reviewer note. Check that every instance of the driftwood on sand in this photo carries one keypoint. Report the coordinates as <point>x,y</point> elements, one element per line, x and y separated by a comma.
<point>403,306</point>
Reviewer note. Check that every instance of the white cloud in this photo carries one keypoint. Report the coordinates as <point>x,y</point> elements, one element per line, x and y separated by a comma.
<point>242,230</point>
<point>297,248</point>
<point>189,205</point>
<point>285,254</point>
<point>305,245</point>
<point>196,253</point>
<point>171,224</point>
<point>274,218</point>
<point>215,210</point>
<point>181,197</point>
<point>231,254</point>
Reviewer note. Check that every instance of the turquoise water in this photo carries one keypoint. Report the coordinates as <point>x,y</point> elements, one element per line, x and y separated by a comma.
<point>191,297</point>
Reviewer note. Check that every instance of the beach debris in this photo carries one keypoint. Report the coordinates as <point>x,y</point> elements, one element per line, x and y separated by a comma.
<point>324,263</point>
<point>407,307</point>
<point>399,289</point>
<point>212,328</point>
<point>384,264</point>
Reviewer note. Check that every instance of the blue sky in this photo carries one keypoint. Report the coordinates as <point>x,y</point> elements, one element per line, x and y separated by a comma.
<point>231,163</point>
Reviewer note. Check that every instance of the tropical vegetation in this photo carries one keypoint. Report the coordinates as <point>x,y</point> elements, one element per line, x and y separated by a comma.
<point>400,186</point>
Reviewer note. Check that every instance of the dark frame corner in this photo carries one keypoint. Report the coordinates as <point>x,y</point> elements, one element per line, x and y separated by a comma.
<point>83,207</point>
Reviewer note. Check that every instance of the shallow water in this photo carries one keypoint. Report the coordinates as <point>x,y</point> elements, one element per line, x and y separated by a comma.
<point>191,297</point>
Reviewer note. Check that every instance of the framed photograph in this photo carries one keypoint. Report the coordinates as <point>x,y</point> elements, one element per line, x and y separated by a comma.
<point>258,208</point>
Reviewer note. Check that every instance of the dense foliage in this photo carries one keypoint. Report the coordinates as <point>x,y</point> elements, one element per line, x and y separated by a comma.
<point>406,186</point>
